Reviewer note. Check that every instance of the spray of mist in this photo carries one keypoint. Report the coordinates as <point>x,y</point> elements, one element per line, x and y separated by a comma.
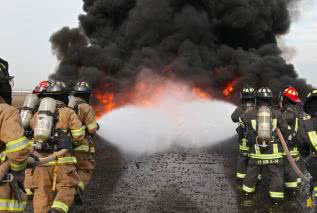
<point>175,120</point>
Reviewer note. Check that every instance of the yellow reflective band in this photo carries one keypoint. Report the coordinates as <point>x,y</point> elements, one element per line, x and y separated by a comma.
<point>277,194</point>
<point>248,189</point>
<point>257,149</point>
<point>274,123</point>
<point>62,161</point>
<point>81,185</point>
<point>291,184</point>
<point>12,205</point>
<point>313,139</point>
<point>299,180</point>
<point>315,188</point>
<point>266,156</point>
<point>28,192</point>
<point>296,125</point>
<point>259,177</point>
<point>275,148</point>
<point>253,122</point>
<point>17,167</point>
<point>3,157</point>
<point>92,126</point>
<point>17,145</point>
<point>60,206</point>
<point>294,152</point>
<point>85,148</point>
<point>78,132</point>
<point>244,148</point>
<point>240,175</point>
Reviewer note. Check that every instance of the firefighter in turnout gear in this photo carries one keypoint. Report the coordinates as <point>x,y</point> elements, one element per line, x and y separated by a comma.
<point>247,97</point>
<point>307,142</point>
<point>84,150</point>
<point>266,150</point>
<point>55,183</point>
<point>14,147</point>
<point>292,111</point>
<point>30,106</point>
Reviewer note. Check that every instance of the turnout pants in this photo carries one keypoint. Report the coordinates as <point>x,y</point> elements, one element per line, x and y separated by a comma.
<point>86,165</point>
<point>242,165</point>
<point>291,179</point>
<point>54,187</point>
<point>276,172</point>
<point>8,200</point>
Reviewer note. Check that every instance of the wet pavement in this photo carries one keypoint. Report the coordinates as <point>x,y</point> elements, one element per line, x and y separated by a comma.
<point>200,180</point>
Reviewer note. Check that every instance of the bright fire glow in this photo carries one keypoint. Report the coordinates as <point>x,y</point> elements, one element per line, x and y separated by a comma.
<point>147,94</point>
<point>229,88</point>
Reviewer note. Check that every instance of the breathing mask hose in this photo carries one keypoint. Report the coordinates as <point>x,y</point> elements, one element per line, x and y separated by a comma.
<point>291,160</point>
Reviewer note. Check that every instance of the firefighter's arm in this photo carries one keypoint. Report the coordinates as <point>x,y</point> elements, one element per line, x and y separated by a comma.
<point>236,115</point>
<point>282,124</point>
<point>75,126</point>
<point>90,119</point>
<point>17,145</point>
<point>302,142</point>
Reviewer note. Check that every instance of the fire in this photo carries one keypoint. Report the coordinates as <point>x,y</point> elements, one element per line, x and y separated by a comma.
<point>106,103</point>
<point>201,94</point>
<point>146,94</point>
<point>229,88</point>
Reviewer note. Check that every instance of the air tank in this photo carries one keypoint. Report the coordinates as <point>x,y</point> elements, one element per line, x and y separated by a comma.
<point>29,106</point>
<point>45,120</point>
<point>264,125</point>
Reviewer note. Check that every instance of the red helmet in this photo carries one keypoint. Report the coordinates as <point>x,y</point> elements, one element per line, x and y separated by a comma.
<point>41,87</point>
<point>292,94</point>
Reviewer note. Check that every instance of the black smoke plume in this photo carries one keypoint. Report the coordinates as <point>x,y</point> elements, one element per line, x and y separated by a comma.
<point>205,42</point>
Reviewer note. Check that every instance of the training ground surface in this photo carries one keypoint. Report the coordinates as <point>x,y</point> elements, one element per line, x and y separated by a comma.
<point>175,181</point>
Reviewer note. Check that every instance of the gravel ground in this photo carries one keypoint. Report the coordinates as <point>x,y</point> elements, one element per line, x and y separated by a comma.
<point>175,181</point>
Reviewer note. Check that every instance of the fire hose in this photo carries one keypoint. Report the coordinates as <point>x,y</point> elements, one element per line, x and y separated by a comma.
<point>291,160</point>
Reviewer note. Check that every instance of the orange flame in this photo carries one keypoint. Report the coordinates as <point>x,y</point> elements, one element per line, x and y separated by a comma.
<point>145,95</point>
<point>201,94</point>
<point>229,88</point>
<point>106,103</point>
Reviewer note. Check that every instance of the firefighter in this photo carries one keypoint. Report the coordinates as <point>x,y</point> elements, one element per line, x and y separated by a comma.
<point>247,97</point>
<point>55,183</point>
<point>30,106</point>
<point>307,142</point>
<point>84,151</point>
<point>292,110</point>
<point>265,150</point>
<point>14,146</point>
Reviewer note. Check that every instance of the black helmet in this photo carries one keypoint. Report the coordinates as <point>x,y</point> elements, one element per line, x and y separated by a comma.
<point>264,95</point>
<point>310,105</point>
<point>82,90</point>
<point>5,82</point>
<point>247,93</point>
<point>57,90</point>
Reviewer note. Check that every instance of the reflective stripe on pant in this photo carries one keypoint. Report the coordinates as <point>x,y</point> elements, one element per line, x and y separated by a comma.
<point>291,181</point>
<point>242,166</point>
<point>86,165</point>
<point>276,178</point>
<point>66,184</point>
<point>8,202</point>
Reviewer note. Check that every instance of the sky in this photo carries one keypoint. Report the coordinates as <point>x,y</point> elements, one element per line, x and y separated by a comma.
<point>26,27</point>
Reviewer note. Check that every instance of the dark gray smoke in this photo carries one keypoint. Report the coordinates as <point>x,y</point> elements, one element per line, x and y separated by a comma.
<point>205,42</point>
